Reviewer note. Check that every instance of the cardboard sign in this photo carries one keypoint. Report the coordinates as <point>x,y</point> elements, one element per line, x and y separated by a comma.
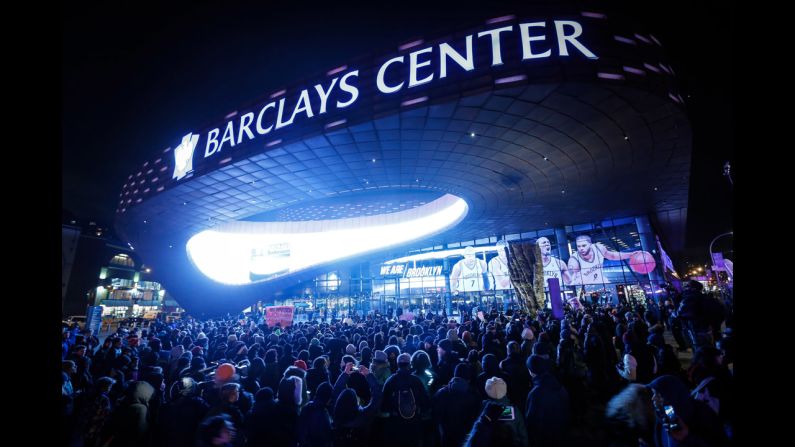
<point>279,314</point>
<point>406,316</point>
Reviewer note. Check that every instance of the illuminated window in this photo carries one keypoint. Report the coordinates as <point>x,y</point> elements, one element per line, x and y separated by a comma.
<point>122,260</point>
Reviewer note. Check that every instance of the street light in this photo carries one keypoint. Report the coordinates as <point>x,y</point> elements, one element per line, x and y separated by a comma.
<point>717,275</point>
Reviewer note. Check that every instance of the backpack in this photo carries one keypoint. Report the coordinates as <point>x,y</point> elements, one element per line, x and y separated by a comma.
<point>407,405</point>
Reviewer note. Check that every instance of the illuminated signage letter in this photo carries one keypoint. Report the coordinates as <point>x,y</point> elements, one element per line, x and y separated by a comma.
<point>303,106</point>
<point>563,38</point>
<point>345,87</point>
<point>211,141</point>
<point>260,129</point>
<point>527,51</point>
<point>496,54</point>
<point>413,66</point>
<point>324,95</point>
<point>279,114</point>
<point>380,78</point>
<point>245,121</point>
<point>446,51</point>
<point>229,135</point>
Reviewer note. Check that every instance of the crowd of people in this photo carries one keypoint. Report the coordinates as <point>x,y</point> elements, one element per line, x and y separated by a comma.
<point>498,378</point>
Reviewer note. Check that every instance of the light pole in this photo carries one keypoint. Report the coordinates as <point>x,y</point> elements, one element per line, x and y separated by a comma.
<point>717,275</point>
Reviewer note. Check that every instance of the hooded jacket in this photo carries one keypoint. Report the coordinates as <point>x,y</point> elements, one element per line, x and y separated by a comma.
<point>257,421</point>
<point>455,407</point>
<point>514,366</point>
<point>130,424</point>
<point>351,421</point>
<point>314,423</point>
<point>316,376</point>
<point>178,421</point>
<point>547,412</point>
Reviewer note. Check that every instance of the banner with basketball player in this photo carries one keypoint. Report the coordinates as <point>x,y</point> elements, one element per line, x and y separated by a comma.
<point>481,270</point>
<point>596,257</point>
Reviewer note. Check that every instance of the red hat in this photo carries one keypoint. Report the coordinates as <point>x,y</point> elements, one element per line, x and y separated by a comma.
<point>225,372</point>
<point>301,364</point>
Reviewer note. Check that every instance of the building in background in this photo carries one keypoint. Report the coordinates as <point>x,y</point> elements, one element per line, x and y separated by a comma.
<point>99,270</point>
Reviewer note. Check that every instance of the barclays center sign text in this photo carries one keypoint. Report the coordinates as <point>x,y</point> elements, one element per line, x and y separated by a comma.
<point>426,66</point>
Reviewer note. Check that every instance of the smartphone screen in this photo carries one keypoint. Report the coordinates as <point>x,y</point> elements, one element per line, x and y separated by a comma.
<point>507,414</point>
<point>670,415</point>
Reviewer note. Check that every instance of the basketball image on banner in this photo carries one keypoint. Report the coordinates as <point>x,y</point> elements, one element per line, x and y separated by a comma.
<point>642,262</point>
<point>469,273</point>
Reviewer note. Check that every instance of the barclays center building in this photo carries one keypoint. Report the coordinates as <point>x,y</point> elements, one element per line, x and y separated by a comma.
<point>399,180</point>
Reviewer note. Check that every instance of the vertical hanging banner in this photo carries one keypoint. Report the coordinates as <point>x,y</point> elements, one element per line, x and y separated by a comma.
<point>555,299</point>
<point>279,314</point>
<point>94,318</point>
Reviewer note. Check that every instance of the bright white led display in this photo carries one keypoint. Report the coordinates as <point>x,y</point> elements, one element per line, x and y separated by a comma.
<point>240,252</point>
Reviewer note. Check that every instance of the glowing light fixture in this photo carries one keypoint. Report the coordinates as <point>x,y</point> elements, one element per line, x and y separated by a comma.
<point>244,252</point>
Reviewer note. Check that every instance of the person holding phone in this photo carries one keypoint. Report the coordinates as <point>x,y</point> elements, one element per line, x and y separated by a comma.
<point>682,419</point>
<point>504,424</point>
<point>352,421</point>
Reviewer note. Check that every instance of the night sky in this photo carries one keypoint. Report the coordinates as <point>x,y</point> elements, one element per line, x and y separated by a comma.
<point>136,76</point>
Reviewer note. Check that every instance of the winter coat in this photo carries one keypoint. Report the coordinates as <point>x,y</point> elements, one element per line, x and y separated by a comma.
<point>508,433</point>
<point>179,421</point>
<point>271,376</point>
<point>521,383</point>
<point>547,412</point>
<point>694,310</point>
<point>314,426</point>
<point>316,376</point>
<point>456,406</point>
<point>351,422</point>
<point>130,423</point>
<point>401,380</point>
<point>257,422</point>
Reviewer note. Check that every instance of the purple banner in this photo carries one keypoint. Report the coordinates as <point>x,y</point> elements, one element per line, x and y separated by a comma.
<point>555,298</point>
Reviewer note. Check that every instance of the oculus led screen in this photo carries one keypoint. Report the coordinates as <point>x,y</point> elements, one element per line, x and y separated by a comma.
<point>239,253</point>
<point>473,269</point>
